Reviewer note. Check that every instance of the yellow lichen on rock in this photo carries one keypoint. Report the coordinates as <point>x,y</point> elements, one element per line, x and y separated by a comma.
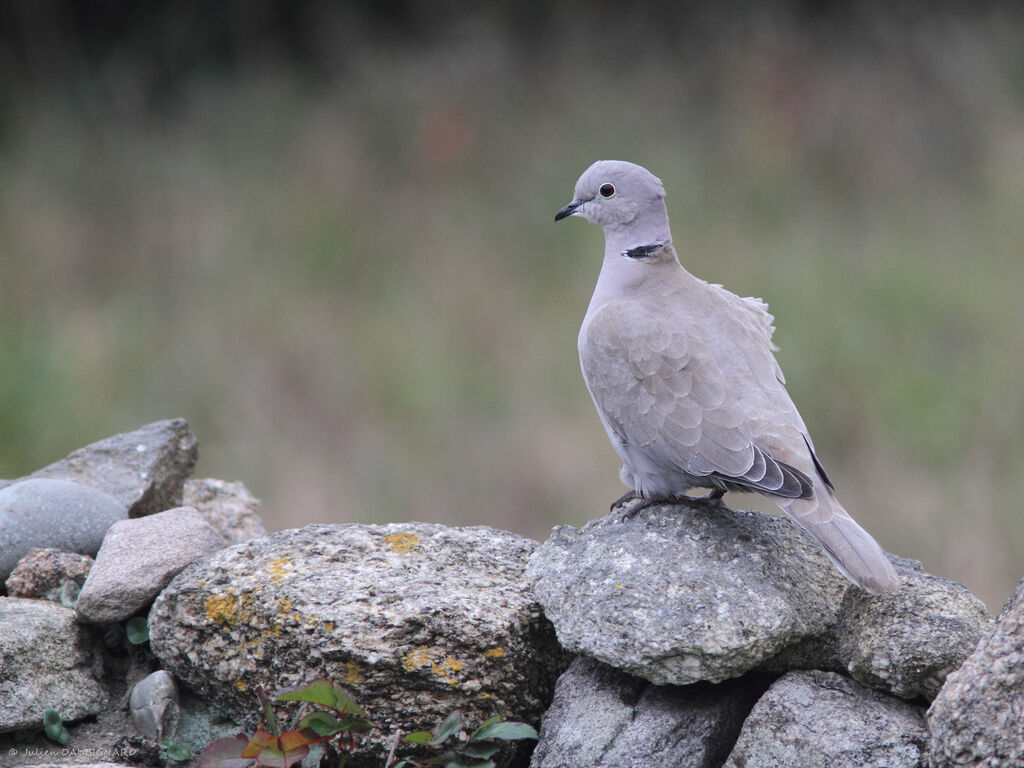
<point>224,608</point>
<point>495,653</point>
<point>279,569</point>
<point>402,543</point>
<point>416,658</point>
<point>353,674</point>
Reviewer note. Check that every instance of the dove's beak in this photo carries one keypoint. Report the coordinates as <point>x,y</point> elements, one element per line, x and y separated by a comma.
<point>569,210</point>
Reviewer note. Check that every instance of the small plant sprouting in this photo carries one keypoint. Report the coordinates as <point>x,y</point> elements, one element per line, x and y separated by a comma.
<point>175,752</point>
<point>54,728</point>
<point>460,750</point>
<point>339,718</point>
<point>136,629</point>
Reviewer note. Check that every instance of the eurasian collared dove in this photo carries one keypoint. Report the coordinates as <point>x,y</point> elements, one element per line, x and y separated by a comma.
<point>685,380</point>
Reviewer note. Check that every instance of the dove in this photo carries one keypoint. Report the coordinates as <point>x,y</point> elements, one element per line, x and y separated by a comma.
<point>684,378</point>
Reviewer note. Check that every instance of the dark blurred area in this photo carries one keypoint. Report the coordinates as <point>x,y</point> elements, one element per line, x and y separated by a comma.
<point>321,232</point>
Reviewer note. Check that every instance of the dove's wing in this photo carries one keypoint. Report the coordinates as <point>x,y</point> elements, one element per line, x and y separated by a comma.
<point>662,394</point>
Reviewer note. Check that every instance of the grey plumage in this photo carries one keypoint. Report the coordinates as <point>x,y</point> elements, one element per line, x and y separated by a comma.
<point>685,381</point>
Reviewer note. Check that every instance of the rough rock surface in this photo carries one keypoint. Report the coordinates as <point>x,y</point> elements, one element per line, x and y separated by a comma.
<point>55,514</point>
<point>679,594</point>
<point>145,469</point>
<point>416,619</point>
<point>604,718</point>
<point>138,558</point>
<point>49,574</point>
<point>907,642</point>
<point>824,720</point>
<point>978,717</point>
<point>228,507</point>
<point>46,660</point>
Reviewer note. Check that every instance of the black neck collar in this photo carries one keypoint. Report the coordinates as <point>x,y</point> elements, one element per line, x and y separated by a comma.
<point>642,251</point>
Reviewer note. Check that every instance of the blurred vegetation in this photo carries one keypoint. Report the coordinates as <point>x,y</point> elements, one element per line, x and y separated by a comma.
<point>324,236</point>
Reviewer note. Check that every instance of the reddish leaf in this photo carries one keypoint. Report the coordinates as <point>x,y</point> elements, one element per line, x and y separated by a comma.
<point>290,740</point>
<point>260,740</point>
<point>225,753</point>
<point>277,758</point>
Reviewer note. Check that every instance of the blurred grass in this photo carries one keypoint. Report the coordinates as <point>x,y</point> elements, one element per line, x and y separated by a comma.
<point>352,288</point>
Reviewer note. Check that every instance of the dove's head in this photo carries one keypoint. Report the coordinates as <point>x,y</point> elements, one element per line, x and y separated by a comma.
<point>626,200</point>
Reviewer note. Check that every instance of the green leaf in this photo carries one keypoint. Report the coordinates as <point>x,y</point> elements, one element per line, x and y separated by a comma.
<point>447,727</point>
<point>225,753</point>
<point>136,629</point>
<point>179,753</point>
<point>324,723</point>
<point>447,757</point>
<point>489,721</point>
<point>482,749</point>
<point>418,737</point>
<point>324,692</point>
<point>505,731</point>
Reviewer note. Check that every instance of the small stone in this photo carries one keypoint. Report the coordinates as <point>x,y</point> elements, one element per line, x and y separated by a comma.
<point>49,574</point>
<point>145,469</point>
<point>139,558</point>
<point>53,514</point>
<point>823,720</point>
<point>907,642</point>
<point>978,717</point>
<point>154,706</point>
<point>228,507</point>
<point>604,718</point>
<point>46,662</point>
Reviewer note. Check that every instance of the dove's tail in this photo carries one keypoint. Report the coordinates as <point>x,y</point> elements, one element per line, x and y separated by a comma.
<point>857,556</point>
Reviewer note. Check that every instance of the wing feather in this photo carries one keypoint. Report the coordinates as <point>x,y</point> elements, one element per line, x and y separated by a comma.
<point>661,391</point>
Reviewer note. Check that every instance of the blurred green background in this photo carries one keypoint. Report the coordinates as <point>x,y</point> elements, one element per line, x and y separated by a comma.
<point>323,234</point>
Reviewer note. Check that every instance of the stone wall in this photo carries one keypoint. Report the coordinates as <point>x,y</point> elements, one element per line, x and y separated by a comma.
<point>679,637</point>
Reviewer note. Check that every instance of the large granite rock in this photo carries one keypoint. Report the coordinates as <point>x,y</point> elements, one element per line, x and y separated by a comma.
<point>978,717</point>
<point>138,558</point>
<point>228,507</point>
<point>823,720</point>
<point>54,514</point>
<point>416,619</point>
<point>49,574</point>
<point>144,469</point>
<point>604,718</point>
<point>47,661</point>
<point>681,594</point>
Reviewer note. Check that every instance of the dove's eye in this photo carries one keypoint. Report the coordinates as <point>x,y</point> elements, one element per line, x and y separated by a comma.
<point>606,190</point>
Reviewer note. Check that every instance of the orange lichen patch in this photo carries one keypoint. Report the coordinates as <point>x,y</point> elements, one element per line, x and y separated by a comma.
<point>446,667</point>
<point>279,569</point>
<point>241,685</point>
<point>224,608</point>
<point>353,674</point>
<point>402,543</point>
<point>418,657</point>
<point>495,653</point>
